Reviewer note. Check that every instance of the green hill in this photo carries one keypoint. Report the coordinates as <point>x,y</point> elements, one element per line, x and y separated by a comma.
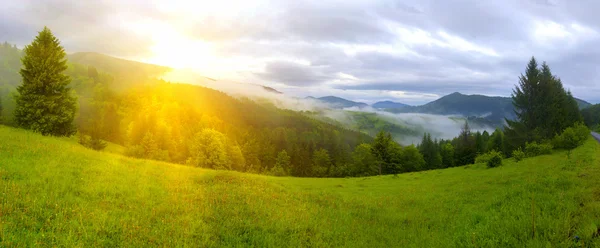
<point>54,192</point>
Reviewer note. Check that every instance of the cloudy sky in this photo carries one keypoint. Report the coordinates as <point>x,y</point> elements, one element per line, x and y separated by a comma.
<point>410,51</point>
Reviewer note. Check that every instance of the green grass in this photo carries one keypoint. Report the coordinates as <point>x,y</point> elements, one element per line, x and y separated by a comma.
<point>54,192</point>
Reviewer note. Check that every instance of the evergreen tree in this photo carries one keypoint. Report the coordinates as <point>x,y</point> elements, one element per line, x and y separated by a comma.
<point>480,144</point>
<point>380,149</point>
<point>430,152</point>
<point>497,142</point>
<point>44,101</point>
<point>465,146</point>
<point>447,152</point>
<point>542,106</point>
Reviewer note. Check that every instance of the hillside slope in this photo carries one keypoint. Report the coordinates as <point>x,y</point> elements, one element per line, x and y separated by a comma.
<point>57,193</point>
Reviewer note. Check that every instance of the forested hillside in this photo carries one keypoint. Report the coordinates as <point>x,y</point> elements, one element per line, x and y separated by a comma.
<point>191,124</point>
<point>123,102</point>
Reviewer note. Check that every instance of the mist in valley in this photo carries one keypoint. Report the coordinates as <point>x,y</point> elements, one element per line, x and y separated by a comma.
<point>439,126</point>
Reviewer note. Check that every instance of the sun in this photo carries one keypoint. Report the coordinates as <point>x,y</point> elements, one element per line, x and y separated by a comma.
<point>173,49</point>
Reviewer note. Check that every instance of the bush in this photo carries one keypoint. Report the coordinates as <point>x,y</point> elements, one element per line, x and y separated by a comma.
<point>91,142</point>
<point>492,159</point>
<point>571,137</point>
<point>518,155</point>
<point>534,149</point>
<point>277,171</point>
<point>495,160</point>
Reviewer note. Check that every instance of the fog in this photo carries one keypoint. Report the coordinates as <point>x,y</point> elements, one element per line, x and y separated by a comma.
<point>440,126</point>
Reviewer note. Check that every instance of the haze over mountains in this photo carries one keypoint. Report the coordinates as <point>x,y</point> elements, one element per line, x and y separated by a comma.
<point>442,117</point>
<point>492,108</point>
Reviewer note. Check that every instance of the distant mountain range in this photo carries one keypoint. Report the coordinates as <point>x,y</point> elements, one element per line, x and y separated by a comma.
<point>338,102</point>
<point>488,109</point>
<point>389,105</point>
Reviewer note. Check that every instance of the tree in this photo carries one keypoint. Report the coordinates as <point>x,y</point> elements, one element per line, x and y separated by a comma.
<point>208,150</point>
<point>447,152</point>
<point>0,108</point>
<point>364,162</point>
<point>282,163</point>
<point>44,101</point>
<point>92,72</point>
<point>542,106</point>
<point>465,146</point>
<point>321,163</point>
<point>430,152</point>
<point>380,149</point>
<point>412,160</point>
<point>497,142</point>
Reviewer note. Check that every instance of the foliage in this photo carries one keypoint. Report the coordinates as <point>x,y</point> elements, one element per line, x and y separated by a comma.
<point>591,115</point>
<point>518,155</point>
<point>465,146</point>
<point>281,164</point>
<point>447,153</point>
<point>571,137</point>
<point>209,150</point>
<point>430,151</point>
<point>321,163</point>
<point>494,160</point>
<point>92,142</point>
<point>497,142</point>
<point>542,106</point>
<point>44,102</point>
<point>411,159</point>
<point>491,159</point>
<point>534,149</point>
<point>364,161</point>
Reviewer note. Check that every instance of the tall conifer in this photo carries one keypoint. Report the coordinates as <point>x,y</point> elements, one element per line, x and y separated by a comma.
<point>44,101</point>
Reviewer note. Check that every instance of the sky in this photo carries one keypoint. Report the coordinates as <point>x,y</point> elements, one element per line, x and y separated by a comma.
<point>410,51</point>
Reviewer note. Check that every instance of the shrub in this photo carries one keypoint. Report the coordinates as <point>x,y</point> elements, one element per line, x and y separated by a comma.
<point>518,155</point>
<point>91,142</point>
<point>571,137</point>
<point>534,149</point>
<point>492,159</point>
<point>495,159</point>
<point>277,171</point>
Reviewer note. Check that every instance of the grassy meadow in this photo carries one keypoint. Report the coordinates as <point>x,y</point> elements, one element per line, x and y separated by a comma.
<point>54,192</point>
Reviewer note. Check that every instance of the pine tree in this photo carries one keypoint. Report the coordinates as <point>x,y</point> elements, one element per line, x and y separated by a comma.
<point>465,147</point>
<point>543,107</point>
<point>381,151</point>
<point>431,154</point>
<point>447,152</point>
<point>44,101</point>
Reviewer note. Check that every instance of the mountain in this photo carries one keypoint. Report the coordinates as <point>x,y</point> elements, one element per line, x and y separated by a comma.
<point>489,108</point>
<point>338,102</point>
<point>492,108</point>
<point>116,66</point>
<point>389,105</point>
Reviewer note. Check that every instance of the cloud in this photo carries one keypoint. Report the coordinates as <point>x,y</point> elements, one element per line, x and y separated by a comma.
<point>294,74</point>
<point>340,47</point>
